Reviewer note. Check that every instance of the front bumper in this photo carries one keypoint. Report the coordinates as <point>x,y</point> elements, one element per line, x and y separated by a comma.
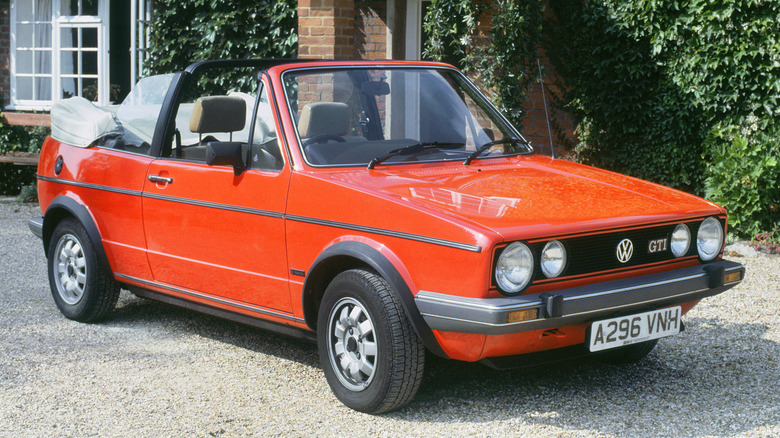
<point>577,305</point>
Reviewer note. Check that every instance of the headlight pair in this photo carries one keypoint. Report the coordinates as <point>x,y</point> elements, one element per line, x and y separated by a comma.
<point>709,239</point>
<point>515,267</point>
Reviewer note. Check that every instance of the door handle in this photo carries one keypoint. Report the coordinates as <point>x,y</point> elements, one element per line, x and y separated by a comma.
<point>160,179</point>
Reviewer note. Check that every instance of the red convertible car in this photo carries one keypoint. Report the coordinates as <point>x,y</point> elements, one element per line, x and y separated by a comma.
<point>379,208</point>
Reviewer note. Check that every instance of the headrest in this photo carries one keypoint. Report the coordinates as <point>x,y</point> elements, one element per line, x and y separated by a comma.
<point>324,118</point>
<point>218,114</point>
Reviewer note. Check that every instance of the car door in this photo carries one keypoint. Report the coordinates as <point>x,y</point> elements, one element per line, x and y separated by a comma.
<point>214,235</point>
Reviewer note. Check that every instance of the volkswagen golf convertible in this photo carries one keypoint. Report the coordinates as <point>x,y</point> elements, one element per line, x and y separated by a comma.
<point>380,208</point>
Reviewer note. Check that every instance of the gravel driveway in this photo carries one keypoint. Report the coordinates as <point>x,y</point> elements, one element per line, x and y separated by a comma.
<point>156,370</point>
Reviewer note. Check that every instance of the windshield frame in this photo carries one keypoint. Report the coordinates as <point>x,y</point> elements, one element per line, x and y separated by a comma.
<point>482,101</point>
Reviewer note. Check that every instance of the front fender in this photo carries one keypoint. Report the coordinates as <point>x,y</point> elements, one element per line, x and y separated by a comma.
<point>351,254</point>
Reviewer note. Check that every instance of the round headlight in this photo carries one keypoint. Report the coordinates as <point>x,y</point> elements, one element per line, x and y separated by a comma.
<point>553,259</point>
<point>709,239</point>
<point>515,268</point>
<point>681,240</point>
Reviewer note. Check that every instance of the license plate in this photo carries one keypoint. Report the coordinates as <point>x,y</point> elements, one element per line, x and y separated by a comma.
<point>632,329</point>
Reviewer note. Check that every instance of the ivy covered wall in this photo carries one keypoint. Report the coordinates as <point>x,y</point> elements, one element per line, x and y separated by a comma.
<point>681,93</point>
<point>183,32</point>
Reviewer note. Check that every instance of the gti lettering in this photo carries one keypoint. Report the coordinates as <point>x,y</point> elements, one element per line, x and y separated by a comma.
<point>657,245</point>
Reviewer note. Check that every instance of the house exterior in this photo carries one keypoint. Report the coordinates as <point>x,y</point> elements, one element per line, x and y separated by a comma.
<point>54,49</point>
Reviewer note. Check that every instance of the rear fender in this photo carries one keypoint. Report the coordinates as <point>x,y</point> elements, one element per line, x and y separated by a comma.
<point>64,206</point>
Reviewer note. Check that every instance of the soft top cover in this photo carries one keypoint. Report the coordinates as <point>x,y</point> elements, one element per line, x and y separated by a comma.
<point>78,122</point>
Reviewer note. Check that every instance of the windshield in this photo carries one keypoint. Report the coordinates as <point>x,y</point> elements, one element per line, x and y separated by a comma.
<point>350,117</point>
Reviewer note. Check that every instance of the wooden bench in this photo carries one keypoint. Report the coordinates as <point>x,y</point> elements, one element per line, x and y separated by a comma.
<point>20,160</point>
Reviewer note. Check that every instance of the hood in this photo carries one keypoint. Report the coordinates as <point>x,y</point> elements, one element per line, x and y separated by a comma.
<point>532,196</point>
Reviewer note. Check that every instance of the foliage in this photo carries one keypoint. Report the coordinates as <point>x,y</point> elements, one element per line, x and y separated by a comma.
<point>186,32</point>
<point>743,169</point>
<point>28,194</point>
<point>633,118</point>
<point>505,63</point>
<point>669,91</point>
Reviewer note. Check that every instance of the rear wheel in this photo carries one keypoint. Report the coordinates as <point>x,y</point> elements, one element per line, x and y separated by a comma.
<point>626,355</point>
<point>370,354</point>
<point>82,289</point>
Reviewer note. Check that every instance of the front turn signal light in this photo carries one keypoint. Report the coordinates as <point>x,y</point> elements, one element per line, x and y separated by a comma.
<point>522,315</point>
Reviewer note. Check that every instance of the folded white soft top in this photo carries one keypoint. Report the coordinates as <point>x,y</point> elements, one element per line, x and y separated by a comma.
<point>78,122</point>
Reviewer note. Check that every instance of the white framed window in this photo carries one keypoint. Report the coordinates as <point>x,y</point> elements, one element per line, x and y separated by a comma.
<point>59,49</point>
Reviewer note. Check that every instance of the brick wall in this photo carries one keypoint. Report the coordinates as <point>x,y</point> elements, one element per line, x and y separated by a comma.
<point>5,53</point>
<point>370,29</point>
<point>326,29</point>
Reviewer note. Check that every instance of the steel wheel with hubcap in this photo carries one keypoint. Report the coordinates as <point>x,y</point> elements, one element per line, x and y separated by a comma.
<point>81,287</point>
<point>371,357</point>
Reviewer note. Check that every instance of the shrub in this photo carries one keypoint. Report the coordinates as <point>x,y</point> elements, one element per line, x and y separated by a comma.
<point>742,175</point>
<point>18,139</point>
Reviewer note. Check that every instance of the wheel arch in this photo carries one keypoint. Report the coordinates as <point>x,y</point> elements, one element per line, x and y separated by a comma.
<point>63,207</point>
<point>346,255</point>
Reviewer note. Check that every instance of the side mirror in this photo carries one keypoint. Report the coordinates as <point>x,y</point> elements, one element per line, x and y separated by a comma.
<point>226,153</point>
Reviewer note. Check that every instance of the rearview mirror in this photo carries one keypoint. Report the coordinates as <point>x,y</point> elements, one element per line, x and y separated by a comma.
<point>226,153</point>
<point>375,88</point>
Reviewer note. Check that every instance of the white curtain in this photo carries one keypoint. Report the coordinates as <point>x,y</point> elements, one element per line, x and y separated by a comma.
<point>43,64</point>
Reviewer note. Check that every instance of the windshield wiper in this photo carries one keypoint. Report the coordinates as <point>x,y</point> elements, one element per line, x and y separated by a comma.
<point>414,149</point>
<point>487,146</point>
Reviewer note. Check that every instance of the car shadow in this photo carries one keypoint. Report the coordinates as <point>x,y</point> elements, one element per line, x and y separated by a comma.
<point>135,311</point>
<point>690,385</point>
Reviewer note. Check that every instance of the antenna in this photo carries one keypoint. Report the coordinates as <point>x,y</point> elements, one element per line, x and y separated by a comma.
<point>546,115</point>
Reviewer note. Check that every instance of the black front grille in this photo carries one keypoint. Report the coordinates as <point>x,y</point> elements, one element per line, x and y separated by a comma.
<point>597,253</point>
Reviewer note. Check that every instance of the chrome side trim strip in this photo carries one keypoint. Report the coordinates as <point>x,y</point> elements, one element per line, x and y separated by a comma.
<point>383,232</point>
<point>240,305</point>
<point>216,205</point>
<point>89,186</point>
<point>274,214</point>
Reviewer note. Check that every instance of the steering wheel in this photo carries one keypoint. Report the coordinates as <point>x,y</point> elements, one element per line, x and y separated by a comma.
<point>322,138</point>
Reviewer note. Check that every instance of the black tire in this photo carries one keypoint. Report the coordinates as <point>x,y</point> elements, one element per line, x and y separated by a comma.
<point>371,356</point>
<point>82,289</point>
<point>626,355</point>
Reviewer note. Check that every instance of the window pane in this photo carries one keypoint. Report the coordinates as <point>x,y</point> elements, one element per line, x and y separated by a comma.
<point>43,88</point>
<point>89,90</point>
<point>43,62</point>
<point>69,37</point>
<point>68,87</point>
<point>24,88</point>
<point>89,37</point>
<point>43,35</point>
<point>68,62</point>
<point>70,7</point>
<point>24,59</point>
<point>24,35</point>
<point>89,63</point>
<point>24,10</point>
<point>89,7</point>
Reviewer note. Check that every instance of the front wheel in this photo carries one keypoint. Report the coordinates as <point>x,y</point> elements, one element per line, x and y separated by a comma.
<point>82,289</point>
<point>370,354</point>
